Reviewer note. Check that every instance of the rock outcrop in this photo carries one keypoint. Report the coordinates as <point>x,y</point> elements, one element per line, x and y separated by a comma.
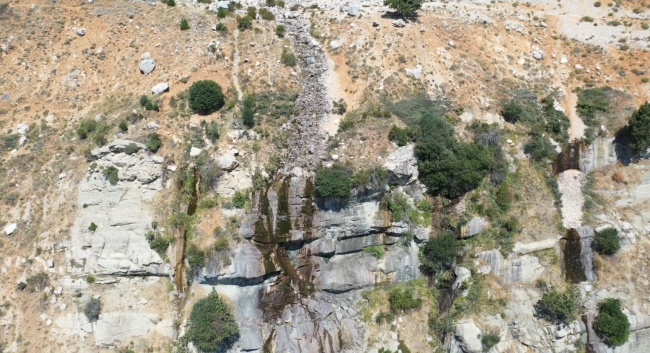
<point>402,165</point>
<point>118,245</point>
<point>524,268</point>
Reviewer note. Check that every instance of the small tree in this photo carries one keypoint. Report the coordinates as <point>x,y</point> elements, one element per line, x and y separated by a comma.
<point>559,307</point>
<point>211,325</point>
<point>93,309</point>
<point>639,125</point>
<point>334,182</point>
<point>205,96</point>
<point>439,253</point>
<point>612,325</point>
<point>607,242</point>
<point>171,3</point>
<point>248,111</point>
<point>221,28</point>
<point>512,112</point>
<point>404,7</point>
<point>184,25</point>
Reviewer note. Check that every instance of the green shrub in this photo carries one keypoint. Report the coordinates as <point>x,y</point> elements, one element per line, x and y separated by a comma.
<point>280,31</point>
<point>384,317</point>
<point>131,148</point>
<point>404,7</point>
<point>639,128</point>
<point>38,282</point>
<point>559,307</point>
<point>400,136</point>
<point>398,206</point>
<point>154,142</point>
<point>205,96</point>
<point>374,177</point>
<point>611,324</point>
<point>590,102</point>
<point>280,3</point>
<point>288,58</point>
<point>539,148</point>
<point>222,28</point>
<point>92,227</point>
<point>143,100</point>
<point>244,23</point>
<point>266,15</point>
<point>195,258</point>
<point>240,199</point>
<point>212,131</point>
<point>377,251</point>
<point>513,112</point>
<point>93,309</point>
<point>439,253</point>
<point>160,244</point>
<point>607,242</point>
<point>402,300</point>
<point>489,340</point>
<point>335,182</point>
<point>448,167</point>
<point>111,173</point>
<point>248,111</point>
<point>86,127</point>
<point>90,279</point>
<point>171,3</point>
<point>211,325</point>
<point>270,3</point>
<point>251,12</point>
<point>221,13</point>
<point>184,25</point>
<point>123,127</point>
<point>339,107</point>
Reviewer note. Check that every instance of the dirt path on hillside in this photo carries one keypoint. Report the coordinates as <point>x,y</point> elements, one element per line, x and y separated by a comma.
<point>235,67</point>
<point>577,127</point>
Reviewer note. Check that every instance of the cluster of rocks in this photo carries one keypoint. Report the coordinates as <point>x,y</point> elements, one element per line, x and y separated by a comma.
<point>118,245</point>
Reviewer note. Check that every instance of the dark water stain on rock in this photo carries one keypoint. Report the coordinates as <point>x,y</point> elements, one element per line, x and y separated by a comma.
<point>572,249</point>
<point>569,158</point>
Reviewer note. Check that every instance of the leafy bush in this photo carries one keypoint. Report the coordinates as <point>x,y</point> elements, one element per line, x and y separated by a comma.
<point>171,3</point>
<point>639,128</point>
<point>559,307</point>
<point>248,111</point>
<point>211,325</point>
<point>111,173</point>
<point>160,244</point>
<point>221,13</point>
<point>539,148</point>
<point>38,281</point>
<point>266,15</point>
<point>398,206</point>
<point>184,25</point>
<point>93,309</point>
<point>212,131</point>
<point>374,177</point>
<point>280,31</point>
<point>154,142</point>
<point>402,300</point>
<point>123,127</point>
<point>240,199</point>
<point>90,279</point>
<point>489,340</point>
<point>512,112</point>
<point>611,324</point>
<point>205,96</point>
<point>244,23</point>
<point>448,167</point>
<point>131,148</point>
<point>251,12</point>
<point>400,136</point>
<point>221,28</point>
<point>590,102</point>
<point>92,227</point>
<point>404,7</point>
<point>288,58</point>
<point>339,107</point>
<point>607,242</point>
<point>439,253</point>
<point>334,182</point>
<point>148,104</point>
<point>377,251</point>
<point>86,127</point>
<point>384,317</point>
<point>195,258</point>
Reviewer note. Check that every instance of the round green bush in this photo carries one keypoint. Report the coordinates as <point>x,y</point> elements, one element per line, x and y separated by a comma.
<point>559,307</point>
<point>611,325</point>
<point>92,309</point>
<point>334,182</point>
<point>607,242</point>
<point>440,252</point>
<point>639,124</point>
<point>211,324</point>
<point>206,96</point>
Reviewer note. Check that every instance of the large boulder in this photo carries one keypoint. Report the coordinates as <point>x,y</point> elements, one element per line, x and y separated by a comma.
<point>228,162</point>
<point>147,66</point>
<point>344,273</point>
<point>467,338</point>
<point>517,269</point>
<point>160,88</point>
<point>475,226</point>
<point>112,328</point>
<point>402,165</point>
